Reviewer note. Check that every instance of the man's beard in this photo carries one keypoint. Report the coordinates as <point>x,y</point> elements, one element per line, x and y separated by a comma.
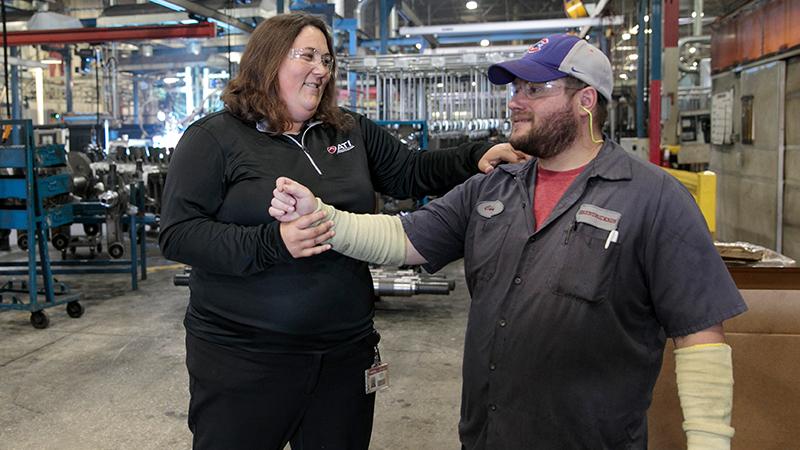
<point>548,136</point>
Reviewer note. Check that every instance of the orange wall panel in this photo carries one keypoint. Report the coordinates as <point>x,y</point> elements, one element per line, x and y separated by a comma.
<point>750,35</point>
<point>792,14</point>
<point>775,27</point>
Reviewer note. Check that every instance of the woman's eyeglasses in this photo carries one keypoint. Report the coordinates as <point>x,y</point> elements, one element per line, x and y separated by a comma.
<point>312,56</point>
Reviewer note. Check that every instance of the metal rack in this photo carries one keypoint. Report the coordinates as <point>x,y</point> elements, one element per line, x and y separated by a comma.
<point>24,199</point>
<point>451,93</point>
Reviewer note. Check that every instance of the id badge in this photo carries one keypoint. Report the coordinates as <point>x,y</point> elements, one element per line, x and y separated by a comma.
<point>376,378</point>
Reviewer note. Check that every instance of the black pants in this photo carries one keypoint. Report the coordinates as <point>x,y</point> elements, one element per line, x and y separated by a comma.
<point>241,400</point>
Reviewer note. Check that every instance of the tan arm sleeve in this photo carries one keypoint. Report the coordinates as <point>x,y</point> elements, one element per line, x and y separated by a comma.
<point>374,238</point>
<point>705,387</point>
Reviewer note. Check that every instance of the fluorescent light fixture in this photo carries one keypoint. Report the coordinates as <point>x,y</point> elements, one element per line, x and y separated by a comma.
<point>626,36</point>
<point>53,61</point>
<point>485,42</point>
<point>472,4</point>
<point>169,5</point>
<point>171,80</point>
<point>633,56</point>
<point>235,57</point>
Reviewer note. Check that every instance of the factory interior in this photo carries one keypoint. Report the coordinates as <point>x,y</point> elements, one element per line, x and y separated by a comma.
<point>97,94</point>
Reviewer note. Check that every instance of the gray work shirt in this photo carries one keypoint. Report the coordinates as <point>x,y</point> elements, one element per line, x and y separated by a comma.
<point>566,333</point>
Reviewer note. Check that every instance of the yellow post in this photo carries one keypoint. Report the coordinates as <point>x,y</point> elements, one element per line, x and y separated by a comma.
<point>703,187</point>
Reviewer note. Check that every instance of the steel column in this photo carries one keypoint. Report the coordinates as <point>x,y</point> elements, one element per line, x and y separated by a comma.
<point>656,50</point>
<point>641,72</point>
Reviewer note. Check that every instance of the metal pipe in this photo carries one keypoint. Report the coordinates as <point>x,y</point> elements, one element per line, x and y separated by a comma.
<point>697,25</point>
<point>359,13</point>
<point>688,40</point>
<point>112,69</point>
<point>505,27</point>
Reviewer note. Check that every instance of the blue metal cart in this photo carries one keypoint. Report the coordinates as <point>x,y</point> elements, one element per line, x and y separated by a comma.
<point>33,190</point>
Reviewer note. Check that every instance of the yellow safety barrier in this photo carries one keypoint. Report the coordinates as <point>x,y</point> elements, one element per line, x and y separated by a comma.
<point>703,187</point>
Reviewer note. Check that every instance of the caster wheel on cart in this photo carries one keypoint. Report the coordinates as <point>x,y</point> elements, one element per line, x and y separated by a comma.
<point>60,242</point>
<point>22,242</point>
<point>39,320</point>
<point>116,250</point>
<point>74,309</point>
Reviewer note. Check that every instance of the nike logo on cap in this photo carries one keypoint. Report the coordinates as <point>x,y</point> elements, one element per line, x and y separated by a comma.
<point>575,70</point>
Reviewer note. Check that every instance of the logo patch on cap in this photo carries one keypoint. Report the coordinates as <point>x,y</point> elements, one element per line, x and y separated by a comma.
<point>332,149</point>
<point>538,46</point>
<point>490,209</point>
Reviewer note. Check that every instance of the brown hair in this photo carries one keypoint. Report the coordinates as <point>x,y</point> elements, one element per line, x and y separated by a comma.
<point>254,95</point>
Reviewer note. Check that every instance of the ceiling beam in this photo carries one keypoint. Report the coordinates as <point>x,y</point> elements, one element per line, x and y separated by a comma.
<point>205,11</point>
<point>80,35</point>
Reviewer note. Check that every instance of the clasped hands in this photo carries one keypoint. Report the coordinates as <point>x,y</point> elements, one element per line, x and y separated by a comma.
<point>305,231</point>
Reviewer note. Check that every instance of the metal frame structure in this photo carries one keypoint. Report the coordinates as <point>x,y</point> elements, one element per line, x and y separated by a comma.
<point>36,219</point>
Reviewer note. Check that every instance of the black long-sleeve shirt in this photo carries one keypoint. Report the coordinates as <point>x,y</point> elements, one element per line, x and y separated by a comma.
<point>246,290</point>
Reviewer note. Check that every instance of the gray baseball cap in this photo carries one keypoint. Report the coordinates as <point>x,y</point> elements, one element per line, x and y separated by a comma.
<point>556,57</point>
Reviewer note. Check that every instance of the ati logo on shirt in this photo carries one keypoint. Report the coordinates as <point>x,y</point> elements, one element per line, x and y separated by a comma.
<point>340,148</point>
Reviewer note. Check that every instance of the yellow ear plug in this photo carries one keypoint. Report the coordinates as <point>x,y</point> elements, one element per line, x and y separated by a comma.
<point>591,126</point>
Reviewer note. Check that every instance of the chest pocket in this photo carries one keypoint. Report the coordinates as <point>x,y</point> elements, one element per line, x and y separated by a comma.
<point>588,268</point>
<point>484,242</point>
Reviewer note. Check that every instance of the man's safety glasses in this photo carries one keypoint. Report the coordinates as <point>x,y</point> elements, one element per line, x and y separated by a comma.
<point>533,90</point>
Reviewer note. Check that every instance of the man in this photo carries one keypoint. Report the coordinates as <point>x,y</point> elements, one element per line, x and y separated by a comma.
<point>580,263</point>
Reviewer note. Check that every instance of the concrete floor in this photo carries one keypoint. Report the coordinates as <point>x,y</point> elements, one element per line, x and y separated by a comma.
<point>115,378</point>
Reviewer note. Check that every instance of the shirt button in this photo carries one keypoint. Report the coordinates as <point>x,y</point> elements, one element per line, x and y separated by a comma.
<point>492,366</point>
<point>517,280</point>
<point>493,407</point>
<point>502,322</point>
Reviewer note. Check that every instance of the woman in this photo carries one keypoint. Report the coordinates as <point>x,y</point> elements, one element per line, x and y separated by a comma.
<point>276,347</point>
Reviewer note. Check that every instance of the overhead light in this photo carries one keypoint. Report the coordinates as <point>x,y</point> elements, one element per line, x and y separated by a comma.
<point>647,18</point>
<point>51,61</point>
<point>626,36</point>
<point>694,14</point>
<point>169,5</point>
<point>485,42</point>
<point>692,50</point>
<point>472,4</point>
<point>418,45</point>
<point>624,76</point>
<point>634,29</point>
<point>633,56</point>
<point>171,80</point>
